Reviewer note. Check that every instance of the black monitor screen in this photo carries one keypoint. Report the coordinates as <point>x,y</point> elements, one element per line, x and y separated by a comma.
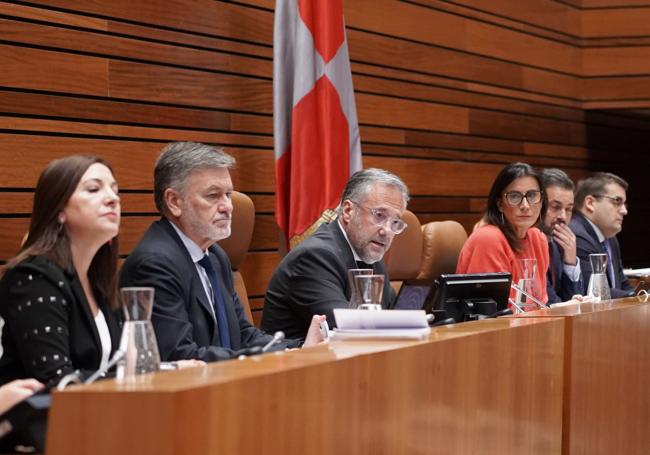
<point>465,295</point>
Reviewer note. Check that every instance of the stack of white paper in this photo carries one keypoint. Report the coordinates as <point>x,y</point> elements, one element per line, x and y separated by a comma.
<point>391,324</point>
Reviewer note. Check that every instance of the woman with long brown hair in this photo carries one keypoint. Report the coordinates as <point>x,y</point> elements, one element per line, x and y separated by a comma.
<point>509,233</point>
<point>58,295</point>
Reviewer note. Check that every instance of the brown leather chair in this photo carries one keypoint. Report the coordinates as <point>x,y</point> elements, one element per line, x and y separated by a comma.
<point>236,246</point>
<point>403,258</point>
<point>441,245</point>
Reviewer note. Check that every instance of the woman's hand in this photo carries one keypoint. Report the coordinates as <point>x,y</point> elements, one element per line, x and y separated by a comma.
<point>16,391</point>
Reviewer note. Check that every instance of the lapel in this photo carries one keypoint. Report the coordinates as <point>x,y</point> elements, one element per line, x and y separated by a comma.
<point>344,251</point>
<point>197,291</point>
<point>591,236</point>
<point>86,316</point>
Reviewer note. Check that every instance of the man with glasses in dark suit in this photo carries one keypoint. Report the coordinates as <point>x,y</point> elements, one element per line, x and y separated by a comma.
<point>600,208</point>
<point>313,278</point>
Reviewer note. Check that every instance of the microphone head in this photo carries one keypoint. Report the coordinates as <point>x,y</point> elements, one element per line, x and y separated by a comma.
<point>278,336</point>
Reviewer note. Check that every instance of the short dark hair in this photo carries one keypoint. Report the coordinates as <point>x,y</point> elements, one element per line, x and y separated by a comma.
<point>509,174</point>
<point>55,186</point>
<point>177,161</point>
<point>360,182</point>
<point>556,177</point>
<point>595,185</point>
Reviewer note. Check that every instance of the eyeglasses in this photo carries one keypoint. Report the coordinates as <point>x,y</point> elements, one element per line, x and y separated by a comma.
<point>515,198</point>
<point>616,200</point>
<point>382,218</point>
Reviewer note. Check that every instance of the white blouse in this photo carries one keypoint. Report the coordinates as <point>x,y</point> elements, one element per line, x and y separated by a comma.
<point>104,337</point>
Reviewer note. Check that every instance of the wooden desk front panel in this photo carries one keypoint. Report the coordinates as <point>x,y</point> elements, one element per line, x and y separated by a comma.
<point>610,382</point>
<point>493,388</point>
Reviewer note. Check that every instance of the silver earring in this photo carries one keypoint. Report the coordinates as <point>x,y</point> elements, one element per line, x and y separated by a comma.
<point>503,220</point>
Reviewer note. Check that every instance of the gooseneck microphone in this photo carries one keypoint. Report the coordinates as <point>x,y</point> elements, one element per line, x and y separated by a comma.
<point>277,338</point>
<point>117,356</point>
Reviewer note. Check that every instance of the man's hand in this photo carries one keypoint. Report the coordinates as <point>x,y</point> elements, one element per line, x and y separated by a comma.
<point>565,237</point>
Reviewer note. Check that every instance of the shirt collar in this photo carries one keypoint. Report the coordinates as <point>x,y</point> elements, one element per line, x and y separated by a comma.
<point>195,251</point>
<point>354,253</point>
<point>601,237</point>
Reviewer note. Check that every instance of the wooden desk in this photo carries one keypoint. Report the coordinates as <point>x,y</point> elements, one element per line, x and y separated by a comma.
<point>607,395</point>
<point>489,387</point>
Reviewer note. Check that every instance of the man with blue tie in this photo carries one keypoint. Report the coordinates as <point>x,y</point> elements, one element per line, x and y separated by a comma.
<point>197,313</point>
<point>563,277</point>
<point>600,208</point>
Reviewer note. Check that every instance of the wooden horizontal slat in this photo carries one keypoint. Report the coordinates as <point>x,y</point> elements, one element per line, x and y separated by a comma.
<point>616,61</point>
<point>136,132</point>
<point>555,16</point>
<point>11,235</point>
<point>369,48</point>
<point>619,22</point>
<point>419,175</point>
<point>411,22</point>
<point>257,269</point>
<point>36,104</point>
<point>204,16</point>
<point>132,161</point>
<point>129,48</point>
<point>161,84</point>
<point>382,110</point>
<point>420,91</point>
<point>36,69</point>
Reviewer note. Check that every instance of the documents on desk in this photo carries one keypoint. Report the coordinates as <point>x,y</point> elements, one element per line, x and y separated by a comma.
<point>391,324</point>
<point>637,273</point>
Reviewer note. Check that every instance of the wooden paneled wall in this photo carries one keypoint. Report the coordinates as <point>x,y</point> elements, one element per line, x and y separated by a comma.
<point>447,93</point>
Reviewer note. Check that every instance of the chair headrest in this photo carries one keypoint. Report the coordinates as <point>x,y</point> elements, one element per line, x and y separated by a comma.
<point>403,258</point>
<point>441,245</point>
<point>243,222</point>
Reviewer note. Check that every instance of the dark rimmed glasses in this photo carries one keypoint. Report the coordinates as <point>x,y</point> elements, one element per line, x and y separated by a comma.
<point>515,198</point>
<point>616,200</point>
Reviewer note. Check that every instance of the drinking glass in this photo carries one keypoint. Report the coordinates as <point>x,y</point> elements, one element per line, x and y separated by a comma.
<point>138,341</point>
<point>598,288</point>
<point>355,299</point>
<point>371,290</point>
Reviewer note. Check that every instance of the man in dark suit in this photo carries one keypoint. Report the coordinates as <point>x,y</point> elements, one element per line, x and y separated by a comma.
<point>563,276</point>
<point>197,313</point>
<point>313,278</point>
<point>600,209</point>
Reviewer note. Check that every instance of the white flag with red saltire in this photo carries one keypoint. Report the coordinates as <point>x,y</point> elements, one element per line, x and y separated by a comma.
<point>317,145</point>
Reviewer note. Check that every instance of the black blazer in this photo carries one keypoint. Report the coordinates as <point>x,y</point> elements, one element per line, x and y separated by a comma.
<point>564,287</point>
<point>587,243</point>
<point>182,318</point>
<point>49,329</point>
<point>313,279</point>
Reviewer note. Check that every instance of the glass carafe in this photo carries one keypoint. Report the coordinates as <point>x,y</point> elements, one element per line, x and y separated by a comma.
<point>598,288</point>
<point>138,341</point>
<point>527,285</point>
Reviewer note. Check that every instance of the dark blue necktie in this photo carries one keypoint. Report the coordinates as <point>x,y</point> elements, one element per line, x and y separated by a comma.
<point>219,305</point>
<point>607,248</point>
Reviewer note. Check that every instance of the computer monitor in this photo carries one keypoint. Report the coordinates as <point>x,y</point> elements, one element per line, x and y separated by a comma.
<point>465,296</point>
